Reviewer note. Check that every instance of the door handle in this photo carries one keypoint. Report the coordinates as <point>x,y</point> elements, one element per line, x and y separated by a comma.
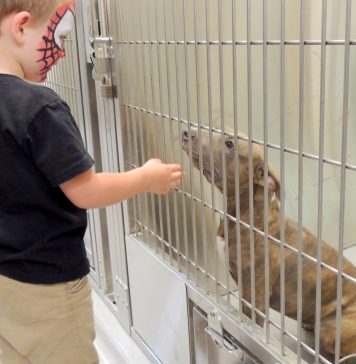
<point>220,341</point>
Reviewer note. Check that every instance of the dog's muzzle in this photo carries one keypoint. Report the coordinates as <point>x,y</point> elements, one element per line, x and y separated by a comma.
<point>186,137</point>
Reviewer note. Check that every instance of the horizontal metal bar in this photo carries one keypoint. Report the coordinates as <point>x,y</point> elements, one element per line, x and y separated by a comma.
<point>61,85</point>
<point>332,162</point>
<point>306,347</point>
<point>193,264</point>
<point>293,42</point>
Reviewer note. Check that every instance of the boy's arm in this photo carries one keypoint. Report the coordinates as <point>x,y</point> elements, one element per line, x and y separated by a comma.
<point>92,190</point>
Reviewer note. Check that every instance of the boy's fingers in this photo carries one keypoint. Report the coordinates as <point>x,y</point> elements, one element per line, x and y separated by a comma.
<point>175,183</point>
<point>176,176</point>
<point>175,167</point>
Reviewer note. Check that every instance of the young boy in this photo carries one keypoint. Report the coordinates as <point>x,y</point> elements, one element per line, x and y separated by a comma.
<point>46,183</point>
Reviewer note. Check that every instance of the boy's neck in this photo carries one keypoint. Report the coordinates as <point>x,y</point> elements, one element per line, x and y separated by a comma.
<point>9,65</point>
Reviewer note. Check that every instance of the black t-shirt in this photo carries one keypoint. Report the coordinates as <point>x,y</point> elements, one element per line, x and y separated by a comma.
<point>41,231</point>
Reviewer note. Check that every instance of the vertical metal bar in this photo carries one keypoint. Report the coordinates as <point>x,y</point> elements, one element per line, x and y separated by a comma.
<point>282,235</point>
<point>185,230</point>
<point>197,79</point>
<point>236,158</point>
<point>265,152</point>
<point>211,155</point>
<point>70,78</point>
<point>343,178</point>
<point>155,134</point>
<point>76,83</point>
<point>131,94</point>
<point>131,90</point>
<point>64,80</point>
<point>171,140</point>
<point>163,133</point>
<point>192,204</point>
<point>320,181</point>
<point>111,141</point>
<point>148,141</point>
<point>143,145</point>
<point>250,167</point>
<point>128,112</point>
<point>59,74</point>
<point>300,184</point>
<point>117,251</point>
<point>137,138</point>
<point>223,156</point>
<point>78,79</point>
<point>132,145</point>
<point>104,17</point>
<point>113,165</point>
<point>160,198</point>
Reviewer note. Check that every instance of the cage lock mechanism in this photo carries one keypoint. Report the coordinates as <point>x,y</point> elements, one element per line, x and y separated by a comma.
<point>216,332</point>
<point>101,60</point>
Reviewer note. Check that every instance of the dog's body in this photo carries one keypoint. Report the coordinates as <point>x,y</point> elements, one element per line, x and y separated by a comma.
<point>233,147</point>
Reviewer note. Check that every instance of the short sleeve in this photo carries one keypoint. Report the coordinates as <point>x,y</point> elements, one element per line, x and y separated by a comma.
<point>54,143</point>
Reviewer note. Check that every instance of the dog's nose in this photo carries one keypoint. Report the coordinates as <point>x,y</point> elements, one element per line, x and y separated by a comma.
<point>185,135</point>
<point>188,134</point>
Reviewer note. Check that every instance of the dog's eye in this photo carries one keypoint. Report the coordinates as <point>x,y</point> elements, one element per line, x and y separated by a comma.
<point>229,144</point>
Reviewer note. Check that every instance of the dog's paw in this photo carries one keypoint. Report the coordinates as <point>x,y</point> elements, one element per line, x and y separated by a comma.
<point>220,246</point>
<point>308,326</point>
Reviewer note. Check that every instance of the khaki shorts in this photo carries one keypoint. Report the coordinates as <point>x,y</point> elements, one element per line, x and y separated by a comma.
<point>46,324</point>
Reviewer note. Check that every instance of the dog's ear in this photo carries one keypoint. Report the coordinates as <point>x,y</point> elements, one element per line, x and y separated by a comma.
<point>273,180</point>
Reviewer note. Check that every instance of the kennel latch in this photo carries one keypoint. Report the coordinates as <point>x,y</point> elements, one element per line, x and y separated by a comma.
<point>101,60</point>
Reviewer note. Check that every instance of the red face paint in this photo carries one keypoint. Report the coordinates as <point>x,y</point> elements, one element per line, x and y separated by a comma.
<point>51,47</point>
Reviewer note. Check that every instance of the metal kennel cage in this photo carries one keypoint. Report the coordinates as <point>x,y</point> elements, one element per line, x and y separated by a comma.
<point>276,74</point>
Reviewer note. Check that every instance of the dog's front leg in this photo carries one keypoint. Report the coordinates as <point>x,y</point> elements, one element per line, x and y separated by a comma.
<point>259,291</point>
<point>247,296</point>
<point>220,241</point>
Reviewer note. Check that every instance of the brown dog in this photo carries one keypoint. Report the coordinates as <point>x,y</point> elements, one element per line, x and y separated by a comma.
<point>226,147</point>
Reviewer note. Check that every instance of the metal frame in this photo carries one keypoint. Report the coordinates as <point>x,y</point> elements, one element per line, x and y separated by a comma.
<point>165,35</point>
<point>108,122</point>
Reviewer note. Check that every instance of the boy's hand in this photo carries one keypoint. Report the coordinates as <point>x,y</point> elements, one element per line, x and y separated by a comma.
<point>161,177</point>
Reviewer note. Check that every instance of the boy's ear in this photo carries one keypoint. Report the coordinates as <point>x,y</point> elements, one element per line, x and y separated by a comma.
<point>18,25</point>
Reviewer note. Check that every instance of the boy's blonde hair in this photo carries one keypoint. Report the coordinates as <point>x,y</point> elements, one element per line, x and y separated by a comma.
<point>37,8</point>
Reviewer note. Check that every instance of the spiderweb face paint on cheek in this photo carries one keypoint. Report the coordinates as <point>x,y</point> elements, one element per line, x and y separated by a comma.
<point>51,47</point>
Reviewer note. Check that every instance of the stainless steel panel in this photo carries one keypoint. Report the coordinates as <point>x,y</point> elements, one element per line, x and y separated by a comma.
<point>159,305</point>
